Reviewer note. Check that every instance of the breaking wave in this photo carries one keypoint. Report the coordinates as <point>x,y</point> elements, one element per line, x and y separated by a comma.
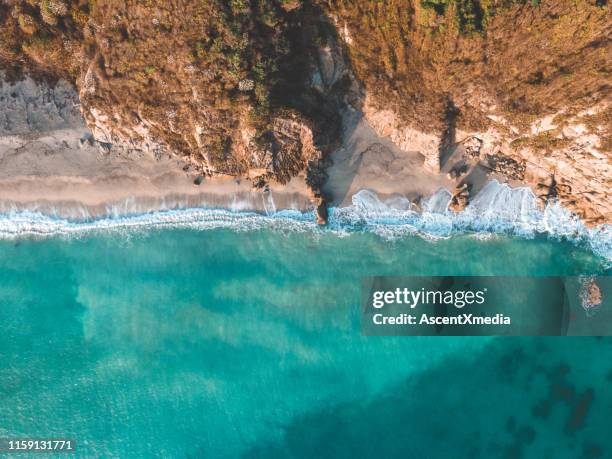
<point>496,209</point>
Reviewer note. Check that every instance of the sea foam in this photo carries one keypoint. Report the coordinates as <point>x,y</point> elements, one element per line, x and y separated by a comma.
<point>496,209</point>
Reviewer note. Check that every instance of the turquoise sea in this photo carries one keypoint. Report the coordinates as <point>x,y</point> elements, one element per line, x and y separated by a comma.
<point>197,343</point>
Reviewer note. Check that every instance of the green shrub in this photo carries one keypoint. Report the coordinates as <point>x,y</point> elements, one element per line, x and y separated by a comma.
<point>47,14</point>
<point>27,24</point>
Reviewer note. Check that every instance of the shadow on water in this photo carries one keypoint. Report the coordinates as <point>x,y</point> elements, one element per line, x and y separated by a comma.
<point>517,399</point>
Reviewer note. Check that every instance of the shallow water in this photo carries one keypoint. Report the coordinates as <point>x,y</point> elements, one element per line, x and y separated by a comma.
<point>188,343</point>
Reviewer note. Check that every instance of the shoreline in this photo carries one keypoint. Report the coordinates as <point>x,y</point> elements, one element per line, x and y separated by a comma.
<point>241,200</point>
<point>389,217</point>
<point>56,179</point>
<point>55,184</point>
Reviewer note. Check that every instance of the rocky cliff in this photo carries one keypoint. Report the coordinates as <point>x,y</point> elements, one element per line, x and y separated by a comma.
<point>511,88</point>
<point>515,89</point>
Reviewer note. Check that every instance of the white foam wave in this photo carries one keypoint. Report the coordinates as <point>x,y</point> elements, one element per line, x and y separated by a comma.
<point>497,209</point>
<point>14,225</point>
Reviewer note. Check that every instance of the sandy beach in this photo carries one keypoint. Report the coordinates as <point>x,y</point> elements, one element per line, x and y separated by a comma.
<point>366,161</point>
<point>58,173</point>
<point>49,163</point>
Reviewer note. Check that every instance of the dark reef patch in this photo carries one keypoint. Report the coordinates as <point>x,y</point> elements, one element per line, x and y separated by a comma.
<point>462,402</point>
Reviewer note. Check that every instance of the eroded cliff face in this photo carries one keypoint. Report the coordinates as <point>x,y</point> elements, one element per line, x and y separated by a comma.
<point>515,89</point>
<point>27,107</point>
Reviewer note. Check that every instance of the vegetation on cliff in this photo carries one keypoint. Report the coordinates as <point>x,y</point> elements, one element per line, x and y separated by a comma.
<point>532,78</point>
<point>207,79</point>
<point>231,84</point>
<point>210,66</point>
<point>527,57</point>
